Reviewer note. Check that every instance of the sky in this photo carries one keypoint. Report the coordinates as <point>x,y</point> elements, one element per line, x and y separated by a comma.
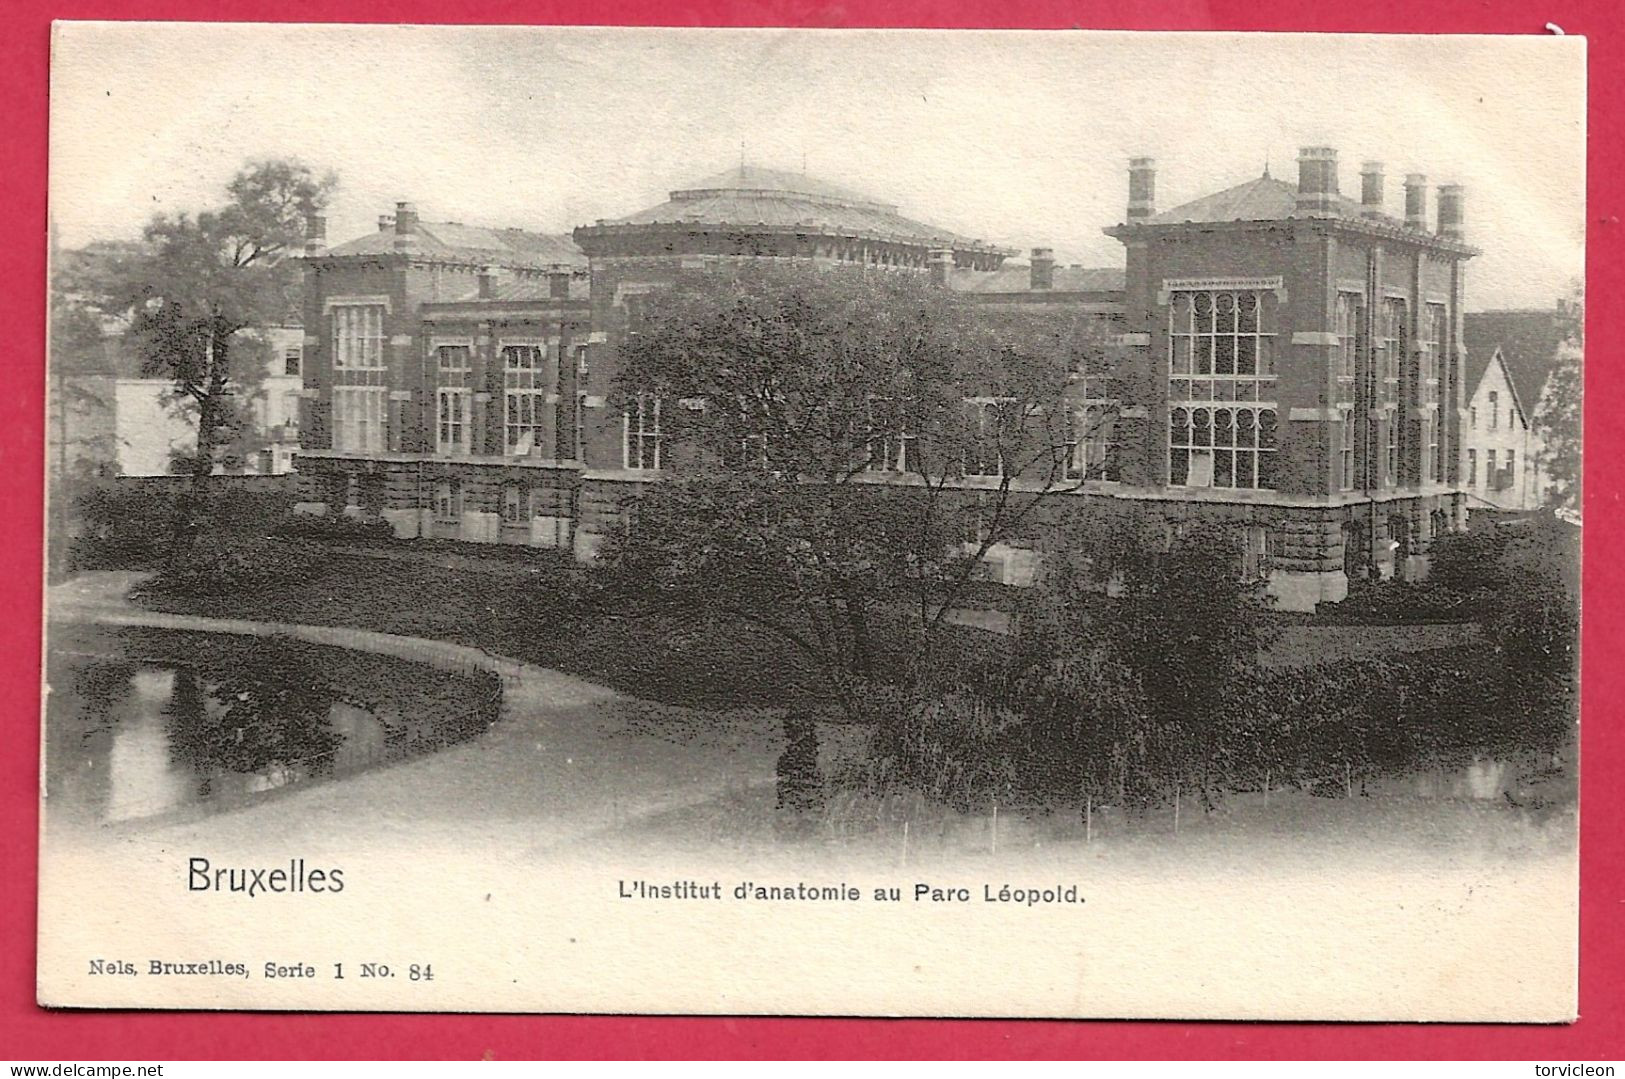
<point>1020,138</point>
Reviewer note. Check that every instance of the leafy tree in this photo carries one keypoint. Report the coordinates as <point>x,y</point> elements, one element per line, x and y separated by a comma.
<point>1558,415</point>
<point>823,425</point>
<point>193,288</point>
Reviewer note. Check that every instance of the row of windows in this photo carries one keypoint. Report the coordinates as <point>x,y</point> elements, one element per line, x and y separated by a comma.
<point>1495,413</point>
<point>1494,479</point>
<point>519,503</point>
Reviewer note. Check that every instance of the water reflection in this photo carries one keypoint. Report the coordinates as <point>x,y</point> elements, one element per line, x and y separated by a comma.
<point>127,740</point>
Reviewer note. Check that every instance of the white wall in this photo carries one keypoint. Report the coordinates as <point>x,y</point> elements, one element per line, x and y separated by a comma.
<point>1501,427</point>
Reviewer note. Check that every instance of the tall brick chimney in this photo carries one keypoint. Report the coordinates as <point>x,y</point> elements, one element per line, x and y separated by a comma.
<point>558,284</point>
<point>1416,201</point>
<point>315,234</point>
<point>1451,197</point>
<point>1371,189</point>
<point>1043,271</point>
<point>406,218</point>
<point>1142,188</point>
<point>488,282</point>
<point>1317,181</point>
<point>386,222</point>
<point>941,262</point>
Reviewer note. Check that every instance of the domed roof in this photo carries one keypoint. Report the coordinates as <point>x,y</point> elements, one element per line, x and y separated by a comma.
<point>749,196</point>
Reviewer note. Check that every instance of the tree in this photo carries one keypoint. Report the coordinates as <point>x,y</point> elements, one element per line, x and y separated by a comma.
<point>1558,414</point>
<point>824,425</point>
<point>191,289</point>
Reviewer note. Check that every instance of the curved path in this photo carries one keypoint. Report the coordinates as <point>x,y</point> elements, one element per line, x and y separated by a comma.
<point>568,760</point>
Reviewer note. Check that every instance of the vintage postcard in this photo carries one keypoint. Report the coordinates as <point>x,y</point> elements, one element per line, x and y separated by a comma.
<point>813,522</point>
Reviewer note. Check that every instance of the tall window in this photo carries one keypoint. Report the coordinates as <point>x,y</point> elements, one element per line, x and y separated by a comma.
<point>1393,347</point>
<point>1390,476</point>
<point>1431,472</point>
<point>515,504</point>
<point>984,454</point>
<point>1492,481</point>
<point>1220,348</point>
<point>1345,449</point>
<point>641,421</point>
<point>1472,468</point>
<point>1512,469</point>
<point>1434,356</point>
<point>292,360</point>
<point>453,400</point>
<point>1495,410</point>
<point>890,439</point>
<point>1350,322</point>
<point>1221,447</point>
<point>523,389</point>
<point>358,335</point>
<point>448,500</point>
<point>358,418</point>
<point>1091,443</point>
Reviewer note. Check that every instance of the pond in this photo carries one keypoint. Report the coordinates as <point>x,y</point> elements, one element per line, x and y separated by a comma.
<point>136,728</point>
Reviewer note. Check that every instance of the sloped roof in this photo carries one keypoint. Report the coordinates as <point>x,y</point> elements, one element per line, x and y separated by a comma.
<point>1263,199</point>
<point>749,195</point>
<point>523,291</point>
<point>1528,341</point>
<point>1018,278</point>
<point>473,244</point>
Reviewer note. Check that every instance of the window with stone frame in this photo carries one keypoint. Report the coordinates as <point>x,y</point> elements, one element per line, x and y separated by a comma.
<point>1433,358</point>
<point>1472,468</point>
<point>359,418</point>
<point>292,360</point>
<point>1390,457</point>
<point>516,504</point>
<point>1432,455</point>
<point>448,500</point>
<point>1221,347</point>
<point>1091,443</point>
<point>358,335</point>
<point>988,422</point>
<point>891,441</point>
<point>1348,435</point>
<point>454,400</point>
<point>1349,326</point>
<point>1495,410</point>
<point>1395,336</point>
<point>1231,447</point>
<point>524,389</point>
<point>641,435</point>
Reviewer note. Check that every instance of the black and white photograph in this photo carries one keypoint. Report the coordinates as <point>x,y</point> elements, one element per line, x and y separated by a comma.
<point>812,522</point>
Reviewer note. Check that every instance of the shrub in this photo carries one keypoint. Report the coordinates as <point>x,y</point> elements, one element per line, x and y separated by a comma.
<point>339,529</point>
<point>224,568</point>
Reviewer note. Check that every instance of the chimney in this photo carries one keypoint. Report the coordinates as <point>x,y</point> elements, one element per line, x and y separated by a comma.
<point>942,265</point>
<point>386,222</point>
<point>1371,189</point>
<point>1317,181</point>
<point>558,284</point>
<point>315,234</point>
<point>1043,272</point>
<point>1450,211</point>
<point>1142,188</point>
<point>406,218</point>
<point>488,282</point>
<point>1416,201</point>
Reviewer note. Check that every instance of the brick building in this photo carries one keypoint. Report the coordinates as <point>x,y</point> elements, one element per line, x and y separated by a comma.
<point>1301,349</point>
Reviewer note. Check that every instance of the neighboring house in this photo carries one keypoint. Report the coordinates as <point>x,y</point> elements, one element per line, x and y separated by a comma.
<point>118,421</point>
<point>1510,357</point>
<point>1297,363</point>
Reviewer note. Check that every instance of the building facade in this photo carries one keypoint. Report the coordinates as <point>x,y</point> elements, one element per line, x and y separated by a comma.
<point>1510,358</point>
<point>1298,354</point>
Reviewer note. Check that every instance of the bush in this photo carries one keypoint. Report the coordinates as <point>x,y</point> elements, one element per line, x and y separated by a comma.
<point>221,568</point>
<point>335,528</point>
